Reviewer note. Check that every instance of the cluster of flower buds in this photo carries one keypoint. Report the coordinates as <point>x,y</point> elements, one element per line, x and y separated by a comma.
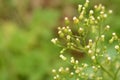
<point>77,71</point>
<point>89,37</point>
<point>61,70</point>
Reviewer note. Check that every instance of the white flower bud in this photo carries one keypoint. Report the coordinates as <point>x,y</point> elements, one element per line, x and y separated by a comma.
<point>77,71</point>
<point>93,57</point>
<point>80,30</point>
<point>87,1</point>
<point>55,77</point>
<point>105,15</point>
<point>101,12</point>
<point>109,58</point>
<point>68,37</point>
<point>113,34</point>
<point>63,57</point>
<point>117,47</point>
<point>54,71</point>
<point>71,73</point>
<point>110,11</point>
<point>75,20</point>
<point>107,27</point>
<point>79,7</point>
<point>93,67</point>
<point>54,40</point>
<point>98,18</point>
<point>95,6</point>
<point>76,62</point>
<point>72,60</point>
<point>87,46</point>
<point>103,7</point>
<point>60,69</point>
<point>83,8</point>
<point>66,18</point>
<point>97,50</point>
<point>63,28</point>
<point>67,69</point>
<point>85,65</point>
<point>77,79</point>
<point>90,40</point>
<point>89,51</point>
<point>91,11</point>
<point>102,37</point>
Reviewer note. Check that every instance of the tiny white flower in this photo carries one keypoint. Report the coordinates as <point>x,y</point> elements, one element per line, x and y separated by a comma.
<point>93,57</point>
<point>55,77</point>
<point>98,18</point>
<point>89,51</point>
<point>117,47</point>
<point>110,11</point>
<point>90,40</point>
<point>105,15</point>
<point>87,1</point>
<point>71,73</point>
<point>54,40</point>
<point>63,57</point>
<point>91,11</point>
<point>54,71</point>
<point>66,18</point>
<point>113,34</point>
<point>95,6</point>
<point>72,60</point>
<point>74,18</point>
<point>107,26</point>
<point>60,69</point>
<point>109,58</point>
<point>76,61</point>
<point>68,37</point>
<point>67,69</point>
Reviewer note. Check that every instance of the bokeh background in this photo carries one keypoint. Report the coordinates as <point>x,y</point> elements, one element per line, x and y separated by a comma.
<point>26,30</point>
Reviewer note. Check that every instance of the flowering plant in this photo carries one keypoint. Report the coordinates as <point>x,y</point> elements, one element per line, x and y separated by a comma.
<point>88,36</point>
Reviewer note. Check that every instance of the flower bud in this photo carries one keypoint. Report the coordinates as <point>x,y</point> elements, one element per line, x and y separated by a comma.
<point>117,47</point>
<point>79,7</point>
<point>75,20</point>
<point>107,27</point>
<point>68,37</point>
<point>72,60</point>
<point>53,71</point>
<point>54,41</point>
<point>80,30</point>
<point>67,20</point>
<point>63,57</point>
<point>91,12</point>
<point>102,37</point>
<point>110,11</point>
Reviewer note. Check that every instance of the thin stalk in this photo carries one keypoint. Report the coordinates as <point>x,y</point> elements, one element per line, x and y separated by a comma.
<point>106,71</point>
<point>115,77</point>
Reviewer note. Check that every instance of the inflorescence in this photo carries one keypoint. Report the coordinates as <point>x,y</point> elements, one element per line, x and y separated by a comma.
<point>89,37</point>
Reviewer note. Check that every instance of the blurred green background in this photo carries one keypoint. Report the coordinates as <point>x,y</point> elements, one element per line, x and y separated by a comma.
<point>26,30</point>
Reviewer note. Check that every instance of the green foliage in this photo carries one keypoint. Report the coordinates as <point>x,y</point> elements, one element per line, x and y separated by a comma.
<point>24,53</point>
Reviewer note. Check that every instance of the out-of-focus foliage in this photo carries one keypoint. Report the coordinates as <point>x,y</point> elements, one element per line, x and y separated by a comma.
<point>26,28</point>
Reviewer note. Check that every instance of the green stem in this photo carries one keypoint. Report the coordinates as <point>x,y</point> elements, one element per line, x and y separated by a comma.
<point>115,77</point>
<point>106,71</point>
<point>96,45</point>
